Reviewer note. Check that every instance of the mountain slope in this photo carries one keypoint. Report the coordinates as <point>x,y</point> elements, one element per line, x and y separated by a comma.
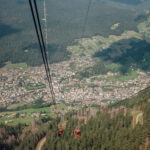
<point>112,128</point>
<point>65,23</point>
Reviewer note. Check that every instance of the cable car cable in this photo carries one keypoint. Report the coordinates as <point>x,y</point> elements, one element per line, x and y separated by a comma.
<point>42,46</point>
<point>86,18</point>
<point>37,32</point>
<point>36,28</point>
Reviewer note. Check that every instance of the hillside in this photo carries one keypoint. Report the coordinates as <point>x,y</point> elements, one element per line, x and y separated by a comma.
<point>109,129</point>
<point>124,125</point>
<point>17,37</point>
<point>101,79</point>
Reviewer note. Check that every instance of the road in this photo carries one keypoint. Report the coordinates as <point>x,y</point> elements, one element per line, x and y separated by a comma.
<point>41,143</point>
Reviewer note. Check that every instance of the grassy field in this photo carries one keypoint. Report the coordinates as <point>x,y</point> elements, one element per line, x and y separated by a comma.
<point>14,106</point>
<point>144,28</point>
<point>9,65</point>
<point>27,119</point>
<point>107,89</point>
<point>115,26</point>
<point>91,45</point>
<point>122,78</point>
<point>130,76</point>
<point>59,107</point>
<point>35,87</point>
<point>114,67</point>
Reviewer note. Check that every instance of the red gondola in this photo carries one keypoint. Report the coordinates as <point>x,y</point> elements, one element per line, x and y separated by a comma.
<point>60,132</point>
<point>77,133</point>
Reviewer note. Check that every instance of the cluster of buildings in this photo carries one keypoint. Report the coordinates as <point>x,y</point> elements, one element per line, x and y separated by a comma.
<point>14,82</point>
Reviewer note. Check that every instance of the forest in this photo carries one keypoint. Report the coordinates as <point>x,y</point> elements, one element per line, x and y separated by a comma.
<point>129,2</point>
<point>131,54</point>
<point>107,131</point>
<point>65,23</point>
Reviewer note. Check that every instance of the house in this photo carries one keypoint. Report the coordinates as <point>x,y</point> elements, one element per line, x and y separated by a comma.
<point>13,115</point>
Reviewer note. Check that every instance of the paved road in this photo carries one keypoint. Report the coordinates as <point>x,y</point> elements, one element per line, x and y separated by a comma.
<point>41,143</point>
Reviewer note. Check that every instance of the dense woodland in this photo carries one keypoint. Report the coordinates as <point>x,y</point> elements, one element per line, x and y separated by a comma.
<point>131,54</point>
<point>107,130</point>
<point>129,2</point>
<point>96,69</point>
<point>65,23</point>
<point>10,136</point>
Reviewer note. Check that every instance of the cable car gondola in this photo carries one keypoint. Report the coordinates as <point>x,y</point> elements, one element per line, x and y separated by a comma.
<point>77,133</point>
<point>60,132</point>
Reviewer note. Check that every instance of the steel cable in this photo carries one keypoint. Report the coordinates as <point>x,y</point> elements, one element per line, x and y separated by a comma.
<point>86,18</point>
<point>38,29</point>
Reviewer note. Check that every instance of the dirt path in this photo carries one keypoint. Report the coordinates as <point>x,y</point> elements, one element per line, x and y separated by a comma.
<point>41,143</point>
<point>138,116</point>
